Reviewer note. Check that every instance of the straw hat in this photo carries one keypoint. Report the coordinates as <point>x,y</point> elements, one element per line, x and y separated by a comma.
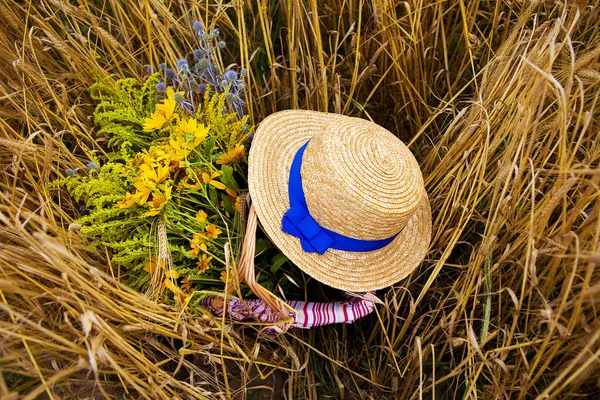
<point>362,187</point>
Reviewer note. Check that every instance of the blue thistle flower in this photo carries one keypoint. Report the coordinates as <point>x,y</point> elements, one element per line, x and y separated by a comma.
<point>195,78</point>
<point>198,26</point>
<point>203,64</point>
<point>230,76</point>
<point>182,64</point>
<point>70,172</point>
<point>178,97</point>
<point>231,98</point>
<point>92,165</point>
<point>214,34</point>
<point>198,54</point>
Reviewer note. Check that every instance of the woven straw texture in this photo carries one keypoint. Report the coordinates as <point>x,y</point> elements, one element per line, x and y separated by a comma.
<point>359,181</point>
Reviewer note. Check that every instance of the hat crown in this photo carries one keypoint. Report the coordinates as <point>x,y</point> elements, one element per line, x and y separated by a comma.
<point>360,180</point>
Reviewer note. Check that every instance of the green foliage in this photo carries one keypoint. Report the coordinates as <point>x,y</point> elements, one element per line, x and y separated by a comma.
<point>106,182</point>
<point>226,126</point>
<point>122,107</point>
<point>122,232</point>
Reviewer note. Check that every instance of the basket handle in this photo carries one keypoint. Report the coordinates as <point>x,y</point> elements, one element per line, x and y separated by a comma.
<point>246,271</point>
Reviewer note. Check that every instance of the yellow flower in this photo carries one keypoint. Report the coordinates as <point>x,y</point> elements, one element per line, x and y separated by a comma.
<point>152,264</point>
<point>168,105</point>
<point>210,179</point>
<point>142,193</point>
<point>203,264</point>
<point>178,152</point>
<point>201,216</point>
<point>212,231</point>
<point>171,274</point>
<point>237,153</point>
<point>227,277</point>
<point>129,201</point>
<point>186,285</point>
<point>153,122</point>
<point>158,201</point>
<point>191,127</point>
<point>181,297</point>
<point>195,186</point>
<point>156,175</point>
<point>197,244</point>
<point>181,145</point>
<point>165,110</point>
<point>198,238</point>
<point>187,126</point>
<point>172,286</point>
<point>233,197</point>
<point>153,157</point>
<point>238,203</point>
<point>196,249</point>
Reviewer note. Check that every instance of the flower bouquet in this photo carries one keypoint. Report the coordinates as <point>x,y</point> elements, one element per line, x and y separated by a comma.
<point>165,196</point>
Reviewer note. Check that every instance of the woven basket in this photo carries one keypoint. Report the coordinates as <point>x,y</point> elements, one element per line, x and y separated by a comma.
<point>278,314</point>
<point>245,272</point>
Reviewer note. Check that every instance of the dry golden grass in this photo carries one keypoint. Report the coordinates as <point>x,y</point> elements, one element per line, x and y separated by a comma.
<point>498,100</point>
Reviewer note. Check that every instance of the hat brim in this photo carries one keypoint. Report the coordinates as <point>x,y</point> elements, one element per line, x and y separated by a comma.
<point>274,146</point>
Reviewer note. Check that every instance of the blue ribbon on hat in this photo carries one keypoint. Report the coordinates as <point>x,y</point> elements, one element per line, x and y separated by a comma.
<point>298,222</point>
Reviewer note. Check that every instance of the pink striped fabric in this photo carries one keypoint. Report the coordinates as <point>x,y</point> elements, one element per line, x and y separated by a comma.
<point>306,315</point>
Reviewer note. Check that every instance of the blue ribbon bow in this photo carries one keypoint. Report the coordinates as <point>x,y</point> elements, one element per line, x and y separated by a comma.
<point>298,222</point>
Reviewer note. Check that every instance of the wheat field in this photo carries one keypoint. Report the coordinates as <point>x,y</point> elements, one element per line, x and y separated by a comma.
<point>499,102</point>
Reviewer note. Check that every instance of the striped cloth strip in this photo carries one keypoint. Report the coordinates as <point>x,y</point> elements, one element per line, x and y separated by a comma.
<point>306,314</point>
